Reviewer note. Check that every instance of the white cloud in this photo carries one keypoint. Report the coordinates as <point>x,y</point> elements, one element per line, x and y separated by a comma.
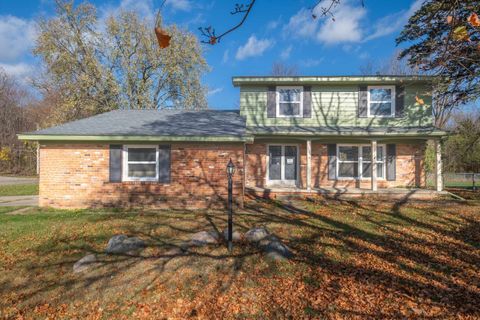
<point>180,5</point>
<point>302,24</point>
<point>345,28</point>
<point>21,71</point>
<point>285,54</point>
<point>17,37</point>
<point>253,47</point>
<point>214,91</point>
<point>226,55</point>
<point>393,22</point>
<point>274,24</point>
<point>308,63</point>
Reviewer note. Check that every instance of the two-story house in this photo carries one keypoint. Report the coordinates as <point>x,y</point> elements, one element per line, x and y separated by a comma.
<point>330,135</point>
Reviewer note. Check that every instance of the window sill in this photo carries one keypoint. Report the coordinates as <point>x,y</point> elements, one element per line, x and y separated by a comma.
<point>358,179</point>
<point>139,183</point>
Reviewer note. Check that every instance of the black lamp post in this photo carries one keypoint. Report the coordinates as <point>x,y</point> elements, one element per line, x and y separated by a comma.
<point>230,172</point>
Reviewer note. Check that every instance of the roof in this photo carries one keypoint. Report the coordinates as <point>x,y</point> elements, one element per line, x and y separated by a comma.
<point>177,125</point>
<point>370,79</point>
<point>346,131</point>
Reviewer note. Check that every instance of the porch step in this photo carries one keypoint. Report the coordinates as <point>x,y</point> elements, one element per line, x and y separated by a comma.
<point>347,193</point>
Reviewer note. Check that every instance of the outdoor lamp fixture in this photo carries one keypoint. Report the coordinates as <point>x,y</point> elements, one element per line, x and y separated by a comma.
<point>230,172</point>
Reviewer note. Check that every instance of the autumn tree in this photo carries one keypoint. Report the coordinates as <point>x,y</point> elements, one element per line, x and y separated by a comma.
<point>280,69</point>
<point>98,66</point>
<point>443,39</point>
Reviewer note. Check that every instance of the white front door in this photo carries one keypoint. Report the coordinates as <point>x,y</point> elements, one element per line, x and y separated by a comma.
<point>282,165</point>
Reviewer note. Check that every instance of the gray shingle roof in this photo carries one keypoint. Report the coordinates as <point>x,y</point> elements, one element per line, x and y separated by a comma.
<point>154,123</point>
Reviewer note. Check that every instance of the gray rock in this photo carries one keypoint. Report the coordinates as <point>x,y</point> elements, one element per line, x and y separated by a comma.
<point>204,238</point>
<point>256,234</point>
<point>276,250</point>
<point>123,244</point>
<point>236,235</point>
<point>85,263</point>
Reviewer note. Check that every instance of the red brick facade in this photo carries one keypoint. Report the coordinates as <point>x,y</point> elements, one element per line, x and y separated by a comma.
<point>77,176</point>
<point>409,167</point>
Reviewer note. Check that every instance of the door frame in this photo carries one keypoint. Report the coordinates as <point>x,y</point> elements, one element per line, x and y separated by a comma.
<point>282,182</point>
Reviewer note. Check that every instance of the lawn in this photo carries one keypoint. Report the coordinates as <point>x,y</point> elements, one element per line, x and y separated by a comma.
<point>352,260</point>
<point>18,190</point>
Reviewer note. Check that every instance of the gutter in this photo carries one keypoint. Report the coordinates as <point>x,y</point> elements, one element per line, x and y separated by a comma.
<point>94,138</point>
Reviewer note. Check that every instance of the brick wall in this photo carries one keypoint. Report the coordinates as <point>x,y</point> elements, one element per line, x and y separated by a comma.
<point>409,167</point>
<point>77,176</point>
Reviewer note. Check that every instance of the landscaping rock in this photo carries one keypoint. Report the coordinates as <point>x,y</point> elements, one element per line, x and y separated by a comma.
<point>123,244</point>
<point>276,250</point>
<point>204,238</point>
<point>256,234</point>
<point>85,263</point>
<point>236,235</point>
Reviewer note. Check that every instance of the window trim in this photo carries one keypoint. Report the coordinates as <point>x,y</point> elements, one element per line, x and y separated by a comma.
<point>125,162</point>
<point>282,182</point>
<point>392,102</point>
<point>277,102</point>
<point>360,161</point>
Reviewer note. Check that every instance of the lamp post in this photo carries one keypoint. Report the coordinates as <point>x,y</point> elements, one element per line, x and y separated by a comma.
<point>230,172</point>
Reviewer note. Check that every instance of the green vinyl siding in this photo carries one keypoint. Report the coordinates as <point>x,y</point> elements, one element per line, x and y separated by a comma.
<point>336,105</point>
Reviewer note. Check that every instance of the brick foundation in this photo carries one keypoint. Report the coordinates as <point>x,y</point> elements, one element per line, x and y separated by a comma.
<point>77,176</point>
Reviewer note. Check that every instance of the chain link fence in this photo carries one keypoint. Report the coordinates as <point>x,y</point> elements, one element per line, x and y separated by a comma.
<point>457,180</point>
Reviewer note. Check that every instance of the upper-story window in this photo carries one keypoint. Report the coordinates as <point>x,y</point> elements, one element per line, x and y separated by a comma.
<point>289,102</point>
<point>381,101</point>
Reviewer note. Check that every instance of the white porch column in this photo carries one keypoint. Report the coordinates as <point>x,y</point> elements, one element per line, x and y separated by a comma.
<point>309,165</point>
<point>374,164</point>
<point>438,166</point>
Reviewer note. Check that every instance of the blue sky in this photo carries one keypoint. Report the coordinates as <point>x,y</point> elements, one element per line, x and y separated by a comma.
<point>280,30</point>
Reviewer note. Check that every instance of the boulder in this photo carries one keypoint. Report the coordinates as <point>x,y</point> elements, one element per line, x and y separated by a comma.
<point>123,244</point>
<point>86,262</point>
<point>204,238</point>
<point>236,235</point>
<point>256,234</point>
<point>276,250</point>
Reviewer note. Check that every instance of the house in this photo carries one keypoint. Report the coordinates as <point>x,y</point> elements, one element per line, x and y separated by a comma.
<point>364,134</point>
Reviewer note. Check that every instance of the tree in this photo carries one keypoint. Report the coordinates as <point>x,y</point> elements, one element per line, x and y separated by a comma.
<point>322,8</point>
<point>280,69</point>
<point>96,66</point>
<point>443,39</point>
<point>391,66</point>
<point>462,149</point>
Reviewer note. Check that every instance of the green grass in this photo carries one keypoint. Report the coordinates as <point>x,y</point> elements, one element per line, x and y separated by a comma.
<point>352,259</point>
<point>19,190</point>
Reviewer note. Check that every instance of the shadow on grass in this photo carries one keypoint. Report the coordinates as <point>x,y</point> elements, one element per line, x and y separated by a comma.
<point>425,252</point>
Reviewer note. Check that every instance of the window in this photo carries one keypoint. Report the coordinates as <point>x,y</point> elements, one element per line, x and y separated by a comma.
<point>289,101</point>
<point>381,101</point>
<point>140,163</point>
<point>354,161</point>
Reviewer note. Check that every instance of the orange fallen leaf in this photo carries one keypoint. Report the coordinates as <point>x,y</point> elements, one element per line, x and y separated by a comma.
<point>162,37</point>
<point>474,20</point>
<point>419,100</point>
<point>449,19</point>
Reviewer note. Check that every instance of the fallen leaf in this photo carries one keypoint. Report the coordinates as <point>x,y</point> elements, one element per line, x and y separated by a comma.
<point>419,100</point>
<point>474,20</point>
<point>449,19</point>
<point>162,37</point>
<point>460,33</point>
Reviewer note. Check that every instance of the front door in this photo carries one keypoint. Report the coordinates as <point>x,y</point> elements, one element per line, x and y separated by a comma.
<point>282,165</point>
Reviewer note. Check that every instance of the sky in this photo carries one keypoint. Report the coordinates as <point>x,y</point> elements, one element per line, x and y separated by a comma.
<point>276,31</point>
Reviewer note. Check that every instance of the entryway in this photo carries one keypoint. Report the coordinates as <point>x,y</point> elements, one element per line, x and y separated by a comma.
<point>282,169</point>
